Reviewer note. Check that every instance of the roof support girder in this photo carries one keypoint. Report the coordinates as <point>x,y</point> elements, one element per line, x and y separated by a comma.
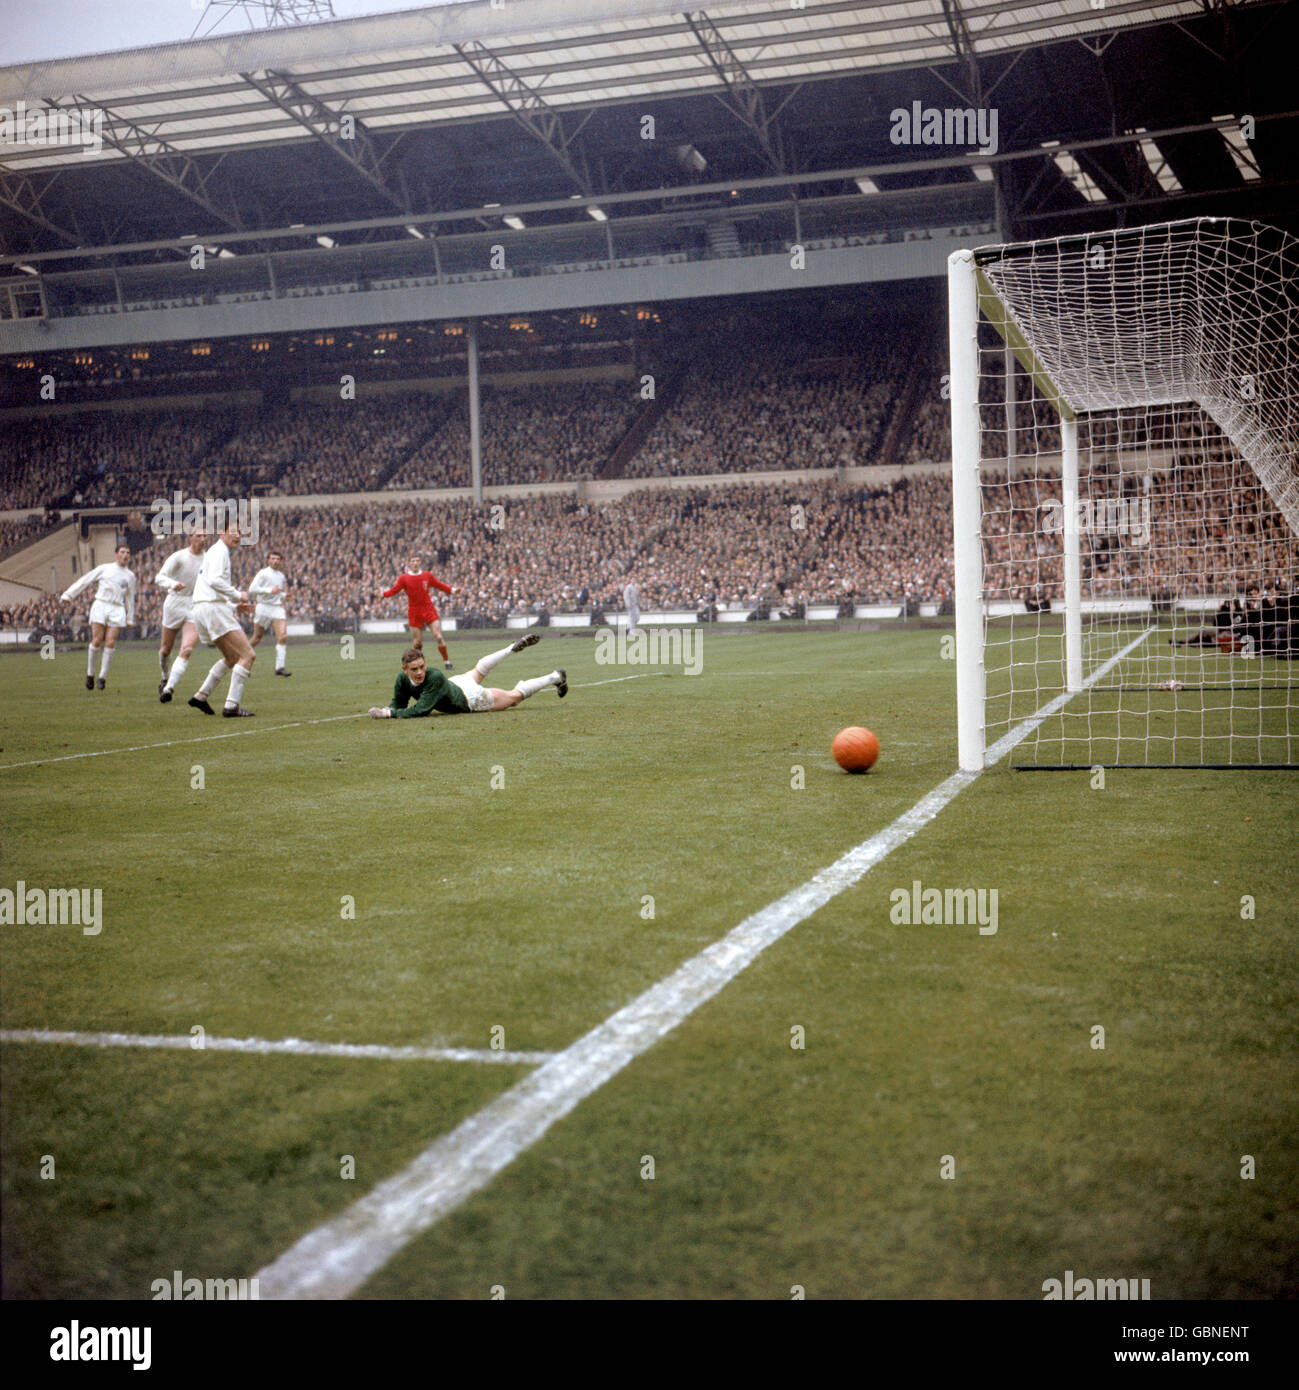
<point>356,150</point>
<point>181,172</point>
<point>740,94</point>
<point>530,109</point>
<point>22,193</point>
<point>963,48</point>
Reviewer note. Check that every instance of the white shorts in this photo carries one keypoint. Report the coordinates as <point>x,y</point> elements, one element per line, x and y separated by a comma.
<point>214,620</point>
<point>176,610</point>
<point>267,613</point>
<point>480,702</point>
<point>110,614</point>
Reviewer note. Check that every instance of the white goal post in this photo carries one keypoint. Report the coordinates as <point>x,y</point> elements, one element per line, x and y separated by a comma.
<point>1126,499</point>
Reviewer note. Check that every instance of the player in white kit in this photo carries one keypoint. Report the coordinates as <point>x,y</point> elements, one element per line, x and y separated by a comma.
<point>268,589</point>
<point>631,599</point>
<point>112,610</point>
<point>177,577</point>
<point>216,601</point>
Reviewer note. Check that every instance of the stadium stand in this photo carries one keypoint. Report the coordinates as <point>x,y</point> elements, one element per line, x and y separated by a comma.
<point>730,546</point>
<point>540,434</point>
<point>778,404</point>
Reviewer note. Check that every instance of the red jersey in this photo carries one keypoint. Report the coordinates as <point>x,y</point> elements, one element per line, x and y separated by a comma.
<point>418,599</point>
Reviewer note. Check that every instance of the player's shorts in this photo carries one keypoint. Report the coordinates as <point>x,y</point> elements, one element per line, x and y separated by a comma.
<point>109,614</point>
<point>480,702</point>
<point>426,617</point>
<point>267,613</point>
<point>177,610</point>
<point>214,620</point>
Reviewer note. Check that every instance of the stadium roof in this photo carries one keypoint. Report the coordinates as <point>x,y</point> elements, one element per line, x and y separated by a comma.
<point>468,61</point>
<point>462,117</point>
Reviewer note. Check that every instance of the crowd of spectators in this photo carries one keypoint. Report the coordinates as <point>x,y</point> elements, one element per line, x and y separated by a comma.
<point>411,441</point>
<point>766,406</point>
<point>13,533</point>
<point>1211,529</point>
<point>749,401</point>
<point>135,456</point>
<point>40,462</point>
<point>929,436</point>
<point>527,435</point>
<point>102,458</point>
<point>1201,527</point>
<point>352,446</point>
<point>747,404</point>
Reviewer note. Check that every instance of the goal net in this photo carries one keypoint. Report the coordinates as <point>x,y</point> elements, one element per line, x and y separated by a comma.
<point>1125,449</point>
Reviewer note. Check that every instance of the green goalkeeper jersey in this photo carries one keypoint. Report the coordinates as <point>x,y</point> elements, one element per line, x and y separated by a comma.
<point>437,693</point>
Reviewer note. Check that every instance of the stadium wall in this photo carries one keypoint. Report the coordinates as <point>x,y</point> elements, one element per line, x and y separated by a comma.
<point>610,490</point>
<point>441,385</point>
<point>236,400</point>
<point>493,293</point>
<point>49,563</point>
<point>325,395</point>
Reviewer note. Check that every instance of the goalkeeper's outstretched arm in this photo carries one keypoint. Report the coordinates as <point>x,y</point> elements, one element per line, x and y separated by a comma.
<point>402,693</point>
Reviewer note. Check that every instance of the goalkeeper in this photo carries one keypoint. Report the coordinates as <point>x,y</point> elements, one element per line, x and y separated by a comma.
<point>1228,617</point>
<point>419,691</point>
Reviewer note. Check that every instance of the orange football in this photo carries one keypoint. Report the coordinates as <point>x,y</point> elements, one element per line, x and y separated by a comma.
<point>855,749</point>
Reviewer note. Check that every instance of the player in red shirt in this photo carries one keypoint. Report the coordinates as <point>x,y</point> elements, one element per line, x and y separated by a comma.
<point>421,613</point>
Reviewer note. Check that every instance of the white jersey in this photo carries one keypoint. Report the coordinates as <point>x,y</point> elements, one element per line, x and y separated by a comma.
<point>116,587</point>
<point>263,587</point>
<point>213,583</point>
<point>179,572</point>
<point>631,596</point>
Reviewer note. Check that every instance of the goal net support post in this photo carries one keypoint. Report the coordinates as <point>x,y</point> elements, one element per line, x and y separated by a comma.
<point>967,548</point>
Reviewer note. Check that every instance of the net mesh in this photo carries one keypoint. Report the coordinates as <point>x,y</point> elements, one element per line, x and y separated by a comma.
<point>1175,347</point>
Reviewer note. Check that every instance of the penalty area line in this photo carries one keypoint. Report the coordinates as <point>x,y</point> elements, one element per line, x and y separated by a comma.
<point>176,742</point>
<point>295,1047</point>
<point>335,1259</point>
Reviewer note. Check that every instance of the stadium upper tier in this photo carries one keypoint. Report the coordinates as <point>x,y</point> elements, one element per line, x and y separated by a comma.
<point>751,398</point>
<point>743,397</point>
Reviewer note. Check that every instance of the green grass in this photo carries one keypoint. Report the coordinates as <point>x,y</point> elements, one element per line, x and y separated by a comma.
<point>520,907</point>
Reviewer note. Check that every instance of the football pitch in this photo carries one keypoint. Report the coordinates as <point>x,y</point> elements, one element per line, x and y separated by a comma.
<point>1097,1074</point>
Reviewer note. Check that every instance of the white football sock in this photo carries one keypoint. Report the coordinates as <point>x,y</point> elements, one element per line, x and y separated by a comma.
<point>213,678</point>
<point>90,660</point>
<point>238,677</point>
<point>485,663</point>
<point>103,662</point>
<point>526,688</point>
<point>281,651</point>
<point>177,671</point>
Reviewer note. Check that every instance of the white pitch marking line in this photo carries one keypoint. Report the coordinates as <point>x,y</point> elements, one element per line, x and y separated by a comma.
<point>762,675</point>
<point>296,1047</point>
<point>176,742</point>
<point>874,671</point>
<point>644,675</point>
<point>337,1258</point>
